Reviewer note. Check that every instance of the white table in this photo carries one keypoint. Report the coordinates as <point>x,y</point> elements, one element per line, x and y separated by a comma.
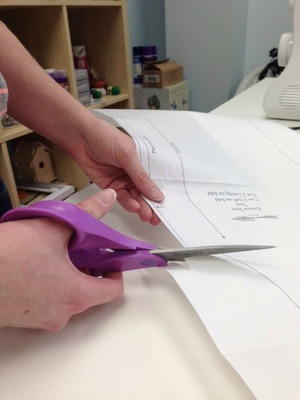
<point>150,345</point>
<point>249,104</point>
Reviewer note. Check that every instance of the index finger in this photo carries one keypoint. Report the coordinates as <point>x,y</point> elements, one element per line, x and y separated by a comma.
<point>142,181</point>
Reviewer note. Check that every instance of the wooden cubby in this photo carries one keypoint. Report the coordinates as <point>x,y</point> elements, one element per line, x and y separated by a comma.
<point>49,29</point>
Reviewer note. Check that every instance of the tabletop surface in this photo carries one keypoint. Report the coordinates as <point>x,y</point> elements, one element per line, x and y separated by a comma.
<point>149,345</point>
<point>249,104</point>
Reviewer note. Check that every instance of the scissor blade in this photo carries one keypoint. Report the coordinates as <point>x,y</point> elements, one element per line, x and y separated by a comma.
<point>182,254</point>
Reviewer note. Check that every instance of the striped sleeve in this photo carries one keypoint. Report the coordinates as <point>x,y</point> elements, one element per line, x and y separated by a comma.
<point>3,96</point>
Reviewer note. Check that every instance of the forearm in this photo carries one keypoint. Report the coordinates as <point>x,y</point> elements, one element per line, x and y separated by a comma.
<point>106,156</point>
<point>36,100</point>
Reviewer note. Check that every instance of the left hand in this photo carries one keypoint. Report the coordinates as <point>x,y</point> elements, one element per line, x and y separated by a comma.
<point>109,158</point>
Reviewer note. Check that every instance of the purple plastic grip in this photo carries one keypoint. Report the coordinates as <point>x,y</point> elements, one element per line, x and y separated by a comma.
<point>91,239</point>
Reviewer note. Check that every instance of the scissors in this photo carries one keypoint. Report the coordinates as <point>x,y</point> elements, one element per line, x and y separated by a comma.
<point>101,249</point>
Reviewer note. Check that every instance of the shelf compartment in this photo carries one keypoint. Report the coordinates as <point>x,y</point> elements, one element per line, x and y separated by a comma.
<point>48,29</point>
<point>66,169</point>
<point>100,30</point>
<point>44,33</point>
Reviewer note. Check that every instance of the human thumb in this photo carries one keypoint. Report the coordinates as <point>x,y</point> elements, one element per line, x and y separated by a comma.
<point>110,287</point>
<point>100,203</point>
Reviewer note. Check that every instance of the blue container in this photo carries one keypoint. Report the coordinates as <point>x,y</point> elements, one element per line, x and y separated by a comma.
<point>137,65</point>
<point>149,54</point>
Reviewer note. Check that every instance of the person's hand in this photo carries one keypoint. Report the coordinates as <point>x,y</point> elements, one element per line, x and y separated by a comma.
<point>109,158</point>
<point>39,286</point>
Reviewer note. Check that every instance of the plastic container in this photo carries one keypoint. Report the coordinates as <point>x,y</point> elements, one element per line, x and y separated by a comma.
<point>149,54</point>
<point>137,65</point>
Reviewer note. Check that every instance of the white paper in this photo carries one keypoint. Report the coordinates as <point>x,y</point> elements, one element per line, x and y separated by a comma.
<point>273,372</point>
<point>217,174</point>
<point>201,180</point>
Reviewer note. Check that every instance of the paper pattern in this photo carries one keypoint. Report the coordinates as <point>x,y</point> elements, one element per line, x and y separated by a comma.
<point>237,182</point>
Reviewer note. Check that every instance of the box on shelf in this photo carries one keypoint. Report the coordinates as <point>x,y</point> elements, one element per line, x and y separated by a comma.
<point>162,74</point>
<point>83,86</point>
<point>80,57</point>
<point>175,97</point>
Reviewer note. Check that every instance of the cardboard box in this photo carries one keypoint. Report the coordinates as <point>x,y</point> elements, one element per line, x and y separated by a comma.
<point>175,97</point>
<point>162,74</point>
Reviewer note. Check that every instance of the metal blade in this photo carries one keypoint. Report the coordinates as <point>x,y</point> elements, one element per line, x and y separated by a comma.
<point>182,254</point>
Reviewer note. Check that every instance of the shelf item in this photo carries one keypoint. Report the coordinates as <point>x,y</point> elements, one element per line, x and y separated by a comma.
<point>80,57</point>
<point>83,86</point>
<point>60,76</point>
<point>32,162</point>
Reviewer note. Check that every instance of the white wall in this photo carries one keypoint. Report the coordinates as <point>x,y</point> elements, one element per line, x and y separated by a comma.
<point>266,21</point>
<point>147,24</point>
<point>220,41</point>
<point>137,21</point>
<point>208,37</point>
<point>237,40</point>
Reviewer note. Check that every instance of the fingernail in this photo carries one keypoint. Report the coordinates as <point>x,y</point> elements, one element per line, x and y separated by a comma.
<point>106,197</point>
<point>156,194</point>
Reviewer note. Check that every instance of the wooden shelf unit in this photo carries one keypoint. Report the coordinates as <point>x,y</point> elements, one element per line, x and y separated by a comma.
<point>49,29</point>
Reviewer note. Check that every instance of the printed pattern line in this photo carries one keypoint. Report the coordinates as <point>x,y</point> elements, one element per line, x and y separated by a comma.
<point>267,278</point>
<point>274,144</point>
<point>184,179</point>
<point>162,217</point>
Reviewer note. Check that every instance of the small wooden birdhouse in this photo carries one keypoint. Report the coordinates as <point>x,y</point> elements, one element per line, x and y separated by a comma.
<point>32,163</point>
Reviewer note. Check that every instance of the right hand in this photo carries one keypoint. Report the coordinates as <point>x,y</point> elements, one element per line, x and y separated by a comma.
<point>39,286</point>
<point>110,160</point>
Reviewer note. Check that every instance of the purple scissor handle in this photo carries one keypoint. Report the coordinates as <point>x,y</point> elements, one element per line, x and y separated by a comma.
<point>93,245</point>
